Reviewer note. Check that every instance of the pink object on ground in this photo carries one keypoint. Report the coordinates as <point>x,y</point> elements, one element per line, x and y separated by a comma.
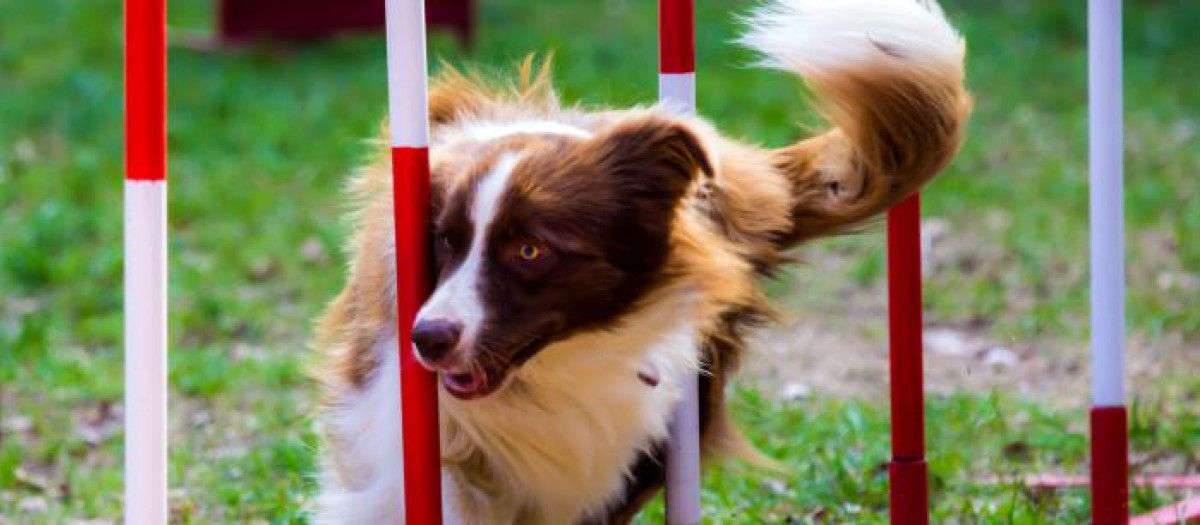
<point>1066,481</point>
<point>1186,511</point>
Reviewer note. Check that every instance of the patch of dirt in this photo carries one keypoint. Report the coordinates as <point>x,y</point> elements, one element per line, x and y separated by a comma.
<point>832,338</point>
<point>802,357</point>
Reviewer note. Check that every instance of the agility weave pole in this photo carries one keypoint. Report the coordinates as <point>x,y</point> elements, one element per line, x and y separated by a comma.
<point>1109,424</point>
<point>145,262</point>
<point>677,87</point>
<point>908,471</point>
<point>408,117</point>
<point>908,477</point>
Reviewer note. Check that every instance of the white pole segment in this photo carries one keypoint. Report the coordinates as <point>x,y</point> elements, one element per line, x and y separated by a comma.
<point>145,352</point>
<point>1107,233</point>
<point>678,92</point>
<point>683,457</point>
<point>407,92</point>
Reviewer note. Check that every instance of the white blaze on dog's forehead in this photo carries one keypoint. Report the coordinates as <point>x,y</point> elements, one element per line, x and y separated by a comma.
<point>489,131</point>
<point>457,299</point>
<point>487,195</point>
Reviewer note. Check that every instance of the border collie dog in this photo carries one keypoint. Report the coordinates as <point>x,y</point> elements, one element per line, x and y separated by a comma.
<point>587,261</point>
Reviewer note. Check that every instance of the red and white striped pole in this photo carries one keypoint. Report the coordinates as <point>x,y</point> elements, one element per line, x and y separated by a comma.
<point>677,87</point>
<point>908,478</point>
<point>409,120</point>
<point>145,262</point>
<point>1110,445</point>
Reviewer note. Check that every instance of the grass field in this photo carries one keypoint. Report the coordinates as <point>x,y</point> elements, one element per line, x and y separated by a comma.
<point>261,141</point>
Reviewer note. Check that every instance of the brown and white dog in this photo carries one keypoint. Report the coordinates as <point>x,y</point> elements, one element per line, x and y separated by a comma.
<point>588,261</point>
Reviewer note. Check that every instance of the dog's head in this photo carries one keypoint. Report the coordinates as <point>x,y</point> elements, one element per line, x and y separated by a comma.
<point>544,234</point>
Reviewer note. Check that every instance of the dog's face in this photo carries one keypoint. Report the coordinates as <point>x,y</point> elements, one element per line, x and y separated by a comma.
<point>543,235</point>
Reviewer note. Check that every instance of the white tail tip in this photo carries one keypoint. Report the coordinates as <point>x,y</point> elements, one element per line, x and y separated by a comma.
<point>811,36</point>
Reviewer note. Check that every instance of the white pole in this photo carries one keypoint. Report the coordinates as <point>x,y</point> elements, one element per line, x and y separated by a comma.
<point>145,352</point>
<point>683,457</point>
<point>409,122</point>
<point>678,90</point>
<point>1109,420</point>
<point>408,111</point>
<point>1107,233</point>
<point>683,450</point>
<point>145,262</point>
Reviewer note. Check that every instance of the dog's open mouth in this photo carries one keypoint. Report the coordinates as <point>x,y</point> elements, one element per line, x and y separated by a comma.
<point>486,377</point>
<point>469,384</point>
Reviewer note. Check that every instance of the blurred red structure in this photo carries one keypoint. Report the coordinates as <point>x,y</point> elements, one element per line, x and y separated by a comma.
<point>241,20</point>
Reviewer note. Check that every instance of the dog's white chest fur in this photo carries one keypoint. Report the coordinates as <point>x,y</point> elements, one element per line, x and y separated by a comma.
<point>555,445</point>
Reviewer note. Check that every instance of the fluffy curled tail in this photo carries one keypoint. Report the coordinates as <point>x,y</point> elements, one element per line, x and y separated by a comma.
<point>888,75</point>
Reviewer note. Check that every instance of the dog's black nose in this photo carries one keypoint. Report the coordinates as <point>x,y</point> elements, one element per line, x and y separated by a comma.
<point>435,337</point>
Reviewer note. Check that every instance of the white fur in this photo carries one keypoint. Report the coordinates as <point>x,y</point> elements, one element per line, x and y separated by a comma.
<point>816,36</point>
<point>367,433</point>
<point>457,299</point>
<point>489,131</point>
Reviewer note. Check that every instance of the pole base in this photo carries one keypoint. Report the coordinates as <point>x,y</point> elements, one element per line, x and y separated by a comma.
<point>1110,466</point>
<point>908,492</point>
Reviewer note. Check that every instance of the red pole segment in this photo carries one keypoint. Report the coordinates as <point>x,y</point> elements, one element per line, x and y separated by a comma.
<point>1110,469</point>
<point>676,36</point>
<point>907,473</point>
<point>422,451</point>
<point>145,238</point>
<point>409,121</point>
<point>145,89</point>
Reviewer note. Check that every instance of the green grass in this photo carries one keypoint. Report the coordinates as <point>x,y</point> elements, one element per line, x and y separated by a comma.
<point>260,144</point>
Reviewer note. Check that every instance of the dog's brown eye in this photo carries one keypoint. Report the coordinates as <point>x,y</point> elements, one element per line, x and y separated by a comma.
<point>529,252</point>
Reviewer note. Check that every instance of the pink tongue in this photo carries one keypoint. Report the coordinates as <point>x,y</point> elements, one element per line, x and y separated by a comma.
<point>464,383</point>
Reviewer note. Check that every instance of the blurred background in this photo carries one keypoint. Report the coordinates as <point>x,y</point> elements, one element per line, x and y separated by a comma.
<point>264,133</point>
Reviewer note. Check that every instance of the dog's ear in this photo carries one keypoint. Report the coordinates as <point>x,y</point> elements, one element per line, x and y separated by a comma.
<point>639,171</point>
<point>652,159</point>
